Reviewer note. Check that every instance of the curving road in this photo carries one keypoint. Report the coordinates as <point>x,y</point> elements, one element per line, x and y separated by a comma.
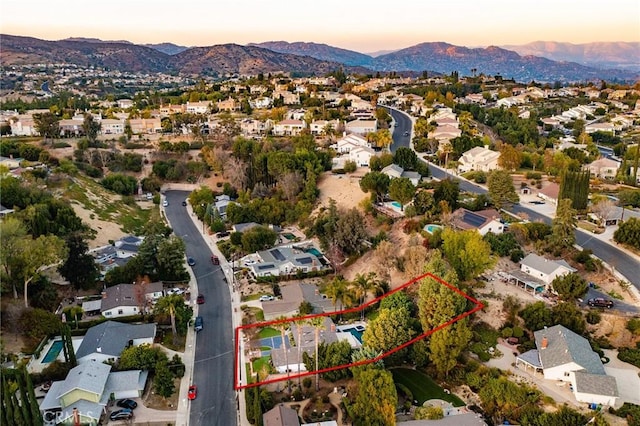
<point>621,261</point>
<point>214,352</point>
<point>404,125</point>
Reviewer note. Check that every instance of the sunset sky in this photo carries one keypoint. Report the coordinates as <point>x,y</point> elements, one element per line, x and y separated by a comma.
<point>351,24</point>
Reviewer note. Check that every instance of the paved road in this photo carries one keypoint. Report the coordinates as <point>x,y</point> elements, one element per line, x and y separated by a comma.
<point>621,261</point>
<point>404,125</point>
<point>214,354</point>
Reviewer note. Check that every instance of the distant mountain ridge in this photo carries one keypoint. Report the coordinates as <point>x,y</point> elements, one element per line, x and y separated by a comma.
<point>302,58</point>
<point>621,55</point>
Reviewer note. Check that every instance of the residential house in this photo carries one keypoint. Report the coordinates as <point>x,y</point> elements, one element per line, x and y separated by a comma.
<point>305,340</point>
<point>349,142</point>
<point>242,227</point>
<point>289,127</point>
<point>167,110</point>
<point>250,126</point>
<point>286,261</point>
<point>281,415</point>
<point>484,221</point>
<point>112,126</point>
<point>23,125</point>
<point>124,300</point>
<point>124,103</point>
<point>106,341</point>
<point>287,97</point>
<point>550,192</point>
<point>293,295</point>
<point>478,159</point>
<point>87,390</point>
<point>141,126</point>
<point>604,168</point>
<point>600,127</point>
<point>361,127</point>
<point>544,269</point>
<point>565,356</point>
<point>70,128</point>
<point>228,104</point>
<point>203,107</point>
<point>221,203</point>
<point>320,127</point>
<point>394,171</point>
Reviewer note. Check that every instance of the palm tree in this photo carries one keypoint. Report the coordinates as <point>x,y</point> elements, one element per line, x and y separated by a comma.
<point>283,326</point>
<point>167,306</point>
<point>318,324</point>
<point>363,284</point>
<point>299,324</point>
<point>336,290</point>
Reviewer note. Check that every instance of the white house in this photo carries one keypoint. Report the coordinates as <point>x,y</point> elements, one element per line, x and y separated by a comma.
<point>544,269</point>
<point>479,159</point>
<point>107,340</point>
<point>563,355</point>
<point>122,299</point>
<point>395,171</point>
<point>112,126</point>
<point>198,107</point>
<point>361,127</point>
<point>604,168</point>
<point>349,142</point>
<point>289,127</point>
<point>287,260</point>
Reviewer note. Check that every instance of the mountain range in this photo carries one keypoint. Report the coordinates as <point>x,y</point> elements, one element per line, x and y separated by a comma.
<point>315,58</point>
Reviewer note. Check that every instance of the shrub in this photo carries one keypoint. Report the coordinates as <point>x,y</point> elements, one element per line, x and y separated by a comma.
<point>630,355</point>
<point>593,317</point>
<point>633,325</point>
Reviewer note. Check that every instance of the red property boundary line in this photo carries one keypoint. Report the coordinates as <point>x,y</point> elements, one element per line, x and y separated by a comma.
<point>478,306</point>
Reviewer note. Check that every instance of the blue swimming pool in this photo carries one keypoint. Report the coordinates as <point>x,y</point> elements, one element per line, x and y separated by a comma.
<point>431,228</point>
<point>53,352</point>
<point>356,333</point>
<point>314,251</point>
<point>396,204</point>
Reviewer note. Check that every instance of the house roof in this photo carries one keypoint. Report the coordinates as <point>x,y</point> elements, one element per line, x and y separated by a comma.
<point>280,416</point>
<point>111,337</point>
<point>92,410</point>
<point>466,219</point>
<point>544,265</point>
<point>89,376</point>
<point>327,334</point>
<point>596,384</point>
<point>552,190</point>
<point>564,347</point>
<point>125,295</point>
<point>242,227</point>
<point>393,169</point>
<point>531,357</point>
<point>119,381</point>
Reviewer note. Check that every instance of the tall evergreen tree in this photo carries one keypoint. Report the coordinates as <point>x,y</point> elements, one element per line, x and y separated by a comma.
<point>24,397</point>
<point>7,406</point>
<point>36,415</point>
<point>67,346</point>
<point>575,186</point>
<point>79,268</point>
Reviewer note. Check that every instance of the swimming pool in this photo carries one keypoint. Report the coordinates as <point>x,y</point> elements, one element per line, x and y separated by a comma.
<point>314,251</point>
<point>396,205</point>
<point>53,352</point>
<point>431,228</point>
<point>356,332</point>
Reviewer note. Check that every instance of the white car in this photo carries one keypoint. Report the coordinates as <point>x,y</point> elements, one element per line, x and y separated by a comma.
<point>266,298</point>
<point>250,262</point>
<point>165,203</point>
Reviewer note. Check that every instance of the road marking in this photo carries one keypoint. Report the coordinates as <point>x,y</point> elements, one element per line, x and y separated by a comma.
<point>214,357</point>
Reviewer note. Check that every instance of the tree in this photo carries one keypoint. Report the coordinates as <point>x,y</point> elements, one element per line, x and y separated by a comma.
<point>381,161</point>
<point>575,186</point>
<point>424,202</point>
<point>350,231</point>
<point>318,324</point>
<point>628,232</point>
<point>402,190</point>
<point>79,268</point>
<point>91,127</point>
<point>501,190</point>
<point>69,352</point>
<point>570,286</point>
<point>563,226</point>
<point>47,125</point>
<point>173,305</point>
<point>390,329</point>
<point>363,283</point>
<point>405,158</point>
<point>467,252</point>
<point>375,404</point>
<point>337,291</point>
<point>36,255</point>
<point>375,183</point>
<point>258,238</point>
<point>447,190</point>
<point>604,208</point>
<point>13,232</point>
<point>510,157</point>
<point>163,380</point>
<point>385,256</point>
<point>283,326</point>
<point>414,258</point>
<point>169,257</point>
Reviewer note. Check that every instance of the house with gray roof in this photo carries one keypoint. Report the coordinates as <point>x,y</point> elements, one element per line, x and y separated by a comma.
<point>280,415</point>
<point>544,269</point>
<point>395,171</point>
<point>284,260</point>
<point>87,390</point>
<point>484,221</point>
<point>106,341</point>
<point>123,299</point>
<point>566,356</point>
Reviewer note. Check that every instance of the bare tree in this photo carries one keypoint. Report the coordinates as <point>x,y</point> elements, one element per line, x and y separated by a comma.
<point>604,209</point>
<point>385,258</point>
<point>290,183</point>
<point>236,172</point>
<point>415,258</point>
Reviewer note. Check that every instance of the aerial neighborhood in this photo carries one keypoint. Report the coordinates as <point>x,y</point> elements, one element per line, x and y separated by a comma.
<point>337,248</point>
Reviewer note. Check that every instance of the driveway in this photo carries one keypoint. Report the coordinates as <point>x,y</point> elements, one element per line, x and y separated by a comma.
<point>626,377</point>
<point>143,415</point>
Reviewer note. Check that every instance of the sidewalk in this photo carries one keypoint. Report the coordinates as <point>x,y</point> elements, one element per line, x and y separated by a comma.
<point>236,321</point>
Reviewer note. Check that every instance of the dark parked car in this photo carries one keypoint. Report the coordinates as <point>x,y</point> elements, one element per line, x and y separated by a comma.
<point>123,414</point>
<point>127,403</point>
<point>191,261</point>
<point>198,324</point>
<point>222,234</point>
<point>200,299</point>
<point>600,302</point>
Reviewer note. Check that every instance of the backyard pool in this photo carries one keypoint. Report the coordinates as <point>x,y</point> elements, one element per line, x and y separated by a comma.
<point>314,251</point>
<point>396,205</point>
<point>356,332</point>
<point>431,228</point>
<point>53,352</point>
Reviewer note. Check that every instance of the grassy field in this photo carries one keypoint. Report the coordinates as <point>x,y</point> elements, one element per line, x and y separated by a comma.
<point>268,332</point>
<point>422,387</point>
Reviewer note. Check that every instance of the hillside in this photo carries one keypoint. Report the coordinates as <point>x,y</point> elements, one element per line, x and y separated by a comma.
<point>319,51</point>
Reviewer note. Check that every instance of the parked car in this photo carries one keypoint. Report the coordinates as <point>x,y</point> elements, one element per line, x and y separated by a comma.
<point>266,298</point>
<point>123,414</point>
<point>127,403</point>
<point>600,302</point>
<point>191,261</point>
<point>215,260</point>
<point>200,299</point>
<point>222,234</point>
<point>184,203</point>
<point>198,324</point>
<point>165,203</point>
<point>193,392</point>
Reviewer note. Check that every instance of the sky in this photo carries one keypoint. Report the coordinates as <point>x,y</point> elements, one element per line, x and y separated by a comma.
<point>363,26</point>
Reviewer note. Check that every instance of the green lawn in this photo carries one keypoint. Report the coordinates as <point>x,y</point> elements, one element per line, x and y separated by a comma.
<point>268,332</point>
<point>422,387</point>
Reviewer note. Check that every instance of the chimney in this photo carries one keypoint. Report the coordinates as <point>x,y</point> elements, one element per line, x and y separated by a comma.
<point>333,327</point>
<point>545,343</point>
<point>104,294</point>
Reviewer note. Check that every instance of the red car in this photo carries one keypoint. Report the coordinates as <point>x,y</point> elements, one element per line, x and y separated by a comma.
<point>193,392</point>
<point>200,299</point>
